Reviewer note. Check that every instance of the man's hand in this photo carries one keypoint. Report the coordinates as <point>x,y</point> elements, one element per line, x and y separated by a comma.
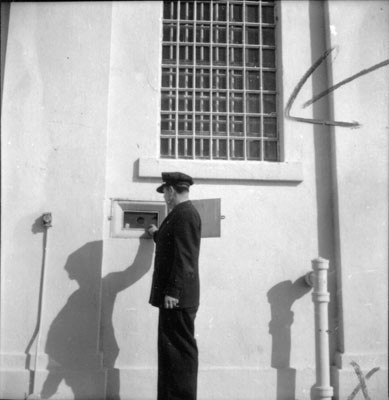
<point>170,302</point>
<point>151,229</point>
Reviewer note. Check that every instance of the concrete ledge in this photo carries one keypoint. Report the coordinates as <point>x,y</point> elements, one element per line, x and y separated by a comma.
<point>345,381</point>
<point>63,385</point>
<point>367,360</point>
<point>373,370</point>
<point>14,384</point>
<point>226,383</point>
<point>224,170</point>
<point>140,383</point>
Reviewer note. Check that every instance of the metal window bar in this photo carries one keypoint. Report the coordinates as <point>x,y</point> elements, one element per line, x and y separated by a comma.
<point>194,81</point>
<point>261,132</point>
<point>244,76</point>
<point>215,55</point>
<point>211,85</point>
<point>229,17</point>
<point>177,72</point>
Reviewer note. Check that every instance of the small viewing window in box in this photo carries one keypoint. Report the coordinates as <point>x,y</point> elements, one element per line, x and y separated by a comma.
<point>130,219</point>
<point>139,220</point>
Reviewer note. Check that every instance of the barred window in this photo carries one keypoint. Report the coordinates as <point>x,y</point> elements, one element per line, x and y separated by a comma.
<point>219,88</point>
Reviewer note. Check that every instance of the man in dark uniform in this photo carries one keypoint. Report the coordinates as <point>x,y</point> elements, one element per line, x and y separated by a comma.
<point>175,289</point>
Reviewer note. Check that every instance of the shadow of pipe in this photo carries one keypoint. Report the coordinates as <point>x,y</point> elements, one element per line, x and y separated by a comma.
<point>281,298</point>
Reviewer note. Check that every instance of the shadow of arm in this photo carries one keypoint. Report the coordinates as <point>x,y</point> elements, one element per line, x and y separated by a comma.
<point>121,280</point>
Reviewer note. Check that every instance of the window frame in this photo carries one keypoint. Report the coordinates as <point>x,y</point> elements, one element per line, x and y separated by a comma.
<point>289,170</point>
<point>185,107</point>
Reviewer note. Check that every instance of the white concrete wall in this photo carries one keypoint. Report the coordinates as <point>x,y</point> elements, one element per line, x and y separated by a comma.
<point>80,113</point>
<point>259,247</point>
<point>361,176</point>
<point>54,122</point>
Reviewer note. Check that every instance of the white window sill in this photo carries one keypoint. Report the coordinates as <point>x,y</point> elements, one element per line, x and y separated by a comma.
<point>224,170</point>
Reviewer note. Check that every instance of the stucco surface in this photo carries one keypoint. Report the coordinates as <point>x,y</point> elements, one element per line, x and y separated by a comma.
<point>80,119</point>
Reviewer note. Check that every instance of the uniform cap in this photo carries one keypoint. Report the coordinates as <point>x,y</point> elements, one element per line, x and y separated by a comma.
<point>175,179</point>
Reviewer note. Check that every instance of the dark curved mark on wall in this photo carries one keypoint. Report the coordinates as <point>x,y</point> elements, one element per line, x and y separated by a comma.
<point>305,77</point>
<point>362,381</point>
<point>338,85</point>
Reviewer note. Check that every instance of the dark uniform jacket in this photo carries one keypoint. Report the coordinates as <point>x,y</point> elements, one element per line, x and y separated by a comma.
<point>176,266</point>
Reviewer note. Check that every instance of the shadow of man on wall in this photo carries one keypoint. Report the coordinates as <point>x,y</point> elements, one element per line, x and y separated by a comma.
<point>112,284</point>
<point>81,343</point>
<point>281,298</point>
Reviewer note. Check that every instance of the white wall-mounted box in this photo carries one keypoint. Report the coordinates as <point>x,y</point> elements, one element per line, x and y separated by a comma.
<point>130,218</point>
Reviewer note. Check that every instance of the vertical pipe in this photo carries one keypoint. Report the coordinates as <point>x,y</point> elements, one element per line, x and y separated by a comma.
<point>321,297</point>
<point>47,223</point>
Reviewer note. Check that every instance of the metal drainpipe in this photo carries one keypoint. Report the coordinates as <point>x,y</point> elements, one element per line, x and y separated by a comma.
<point>321,297</point>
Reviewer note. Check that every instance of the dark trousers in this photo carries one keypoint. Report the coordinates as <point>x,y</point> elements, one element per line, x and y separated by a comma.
<point>177,355</point>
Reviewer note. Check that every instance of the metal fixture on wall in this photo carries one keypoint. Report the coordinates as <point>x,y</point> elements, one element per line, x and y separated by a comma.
<point>321,297</point>
<point>46,221</point>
